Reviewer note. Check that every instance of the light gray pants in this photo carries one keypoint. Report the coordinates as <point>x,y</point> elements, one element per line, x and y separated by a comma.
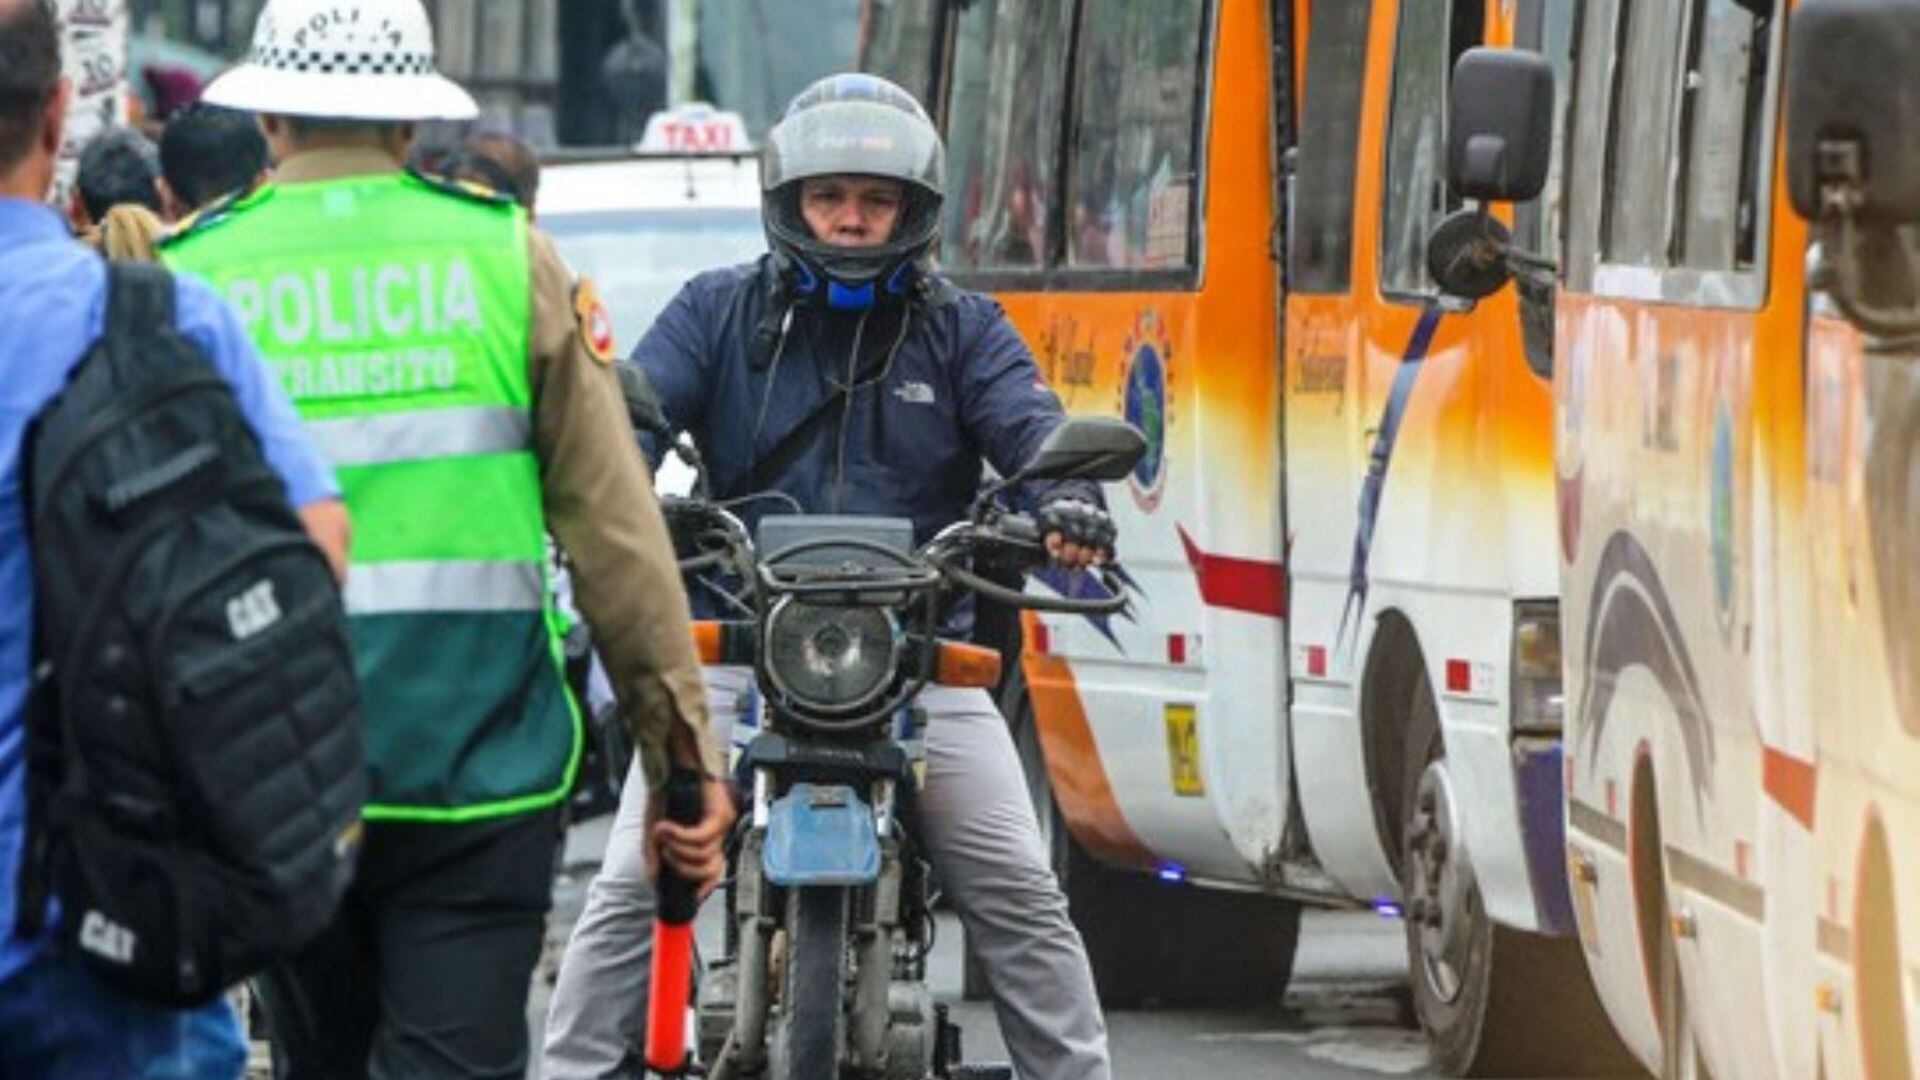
<point>978,828</point>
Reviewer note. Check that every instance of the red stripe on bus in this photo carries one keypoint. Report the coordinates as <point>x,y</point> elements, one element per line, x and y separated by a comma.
<point>1789,781</point>
<point>1249,585</point>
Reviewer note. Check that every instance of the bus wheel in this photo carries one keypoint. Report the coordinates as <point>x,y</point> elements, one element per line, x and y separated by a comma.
<point>1150,941</point>
<point>1882,1010</point>
<point>1492,1001</point>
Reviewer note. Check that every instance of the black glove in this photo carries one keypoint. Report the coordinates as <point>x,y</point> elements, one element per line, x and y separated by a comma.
<point>643,403</point>
<point>1078,522</point>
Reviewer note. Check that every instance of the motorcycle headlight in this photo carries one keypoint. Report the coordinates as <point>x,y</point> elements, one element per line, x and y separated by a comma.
<point>834,659</point>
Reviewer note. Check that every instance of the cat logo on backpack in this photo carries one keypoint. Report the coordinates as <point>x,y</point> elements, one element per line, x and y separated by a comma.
<point>252,611</point>
<point>104,937</point>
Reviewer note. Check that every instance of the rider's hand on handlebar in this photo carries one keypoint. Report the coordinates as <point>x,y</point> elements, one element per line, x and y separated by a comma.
<point>1077,533</point>
<point>696,852</point>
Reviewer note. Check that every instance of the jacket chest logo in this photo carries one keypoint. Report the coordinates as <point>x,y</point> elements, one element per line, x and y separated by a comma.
<point>914,392</point>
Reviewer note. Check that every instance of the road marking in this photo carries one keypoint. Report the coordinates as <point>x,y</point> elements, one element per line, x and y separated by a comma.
<point>1387,1051</point>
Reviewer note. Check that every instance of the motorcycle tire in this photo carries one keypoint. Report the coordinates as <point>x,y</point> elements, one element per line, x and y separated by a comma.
<point>811,1033</point>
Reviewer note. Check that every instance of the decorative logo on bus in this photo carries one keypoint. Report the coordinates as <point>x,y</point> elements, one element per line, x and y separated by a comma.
<point>1146,403</point>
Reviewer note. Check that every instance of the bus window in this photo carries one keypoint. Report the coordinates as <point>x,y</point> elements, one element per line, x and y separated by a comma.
<point>1727,84</point>
<point>1131,183</point>
<point>1322,209</point>
<point>1548,29</point>
<point>899,42</point>
<point>1432,35</point>
<point>1003,132</point>
<point>1639,222</point>
<point>1586,183</point>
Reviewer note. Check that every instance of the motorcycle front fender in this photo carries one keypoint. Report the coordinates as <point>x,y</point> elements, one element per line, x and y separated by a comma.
<point>821,835</point>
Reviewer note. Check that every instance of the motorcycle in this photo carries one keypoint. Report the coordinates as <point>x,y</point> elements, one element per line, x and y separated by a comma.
<point>823,970</point>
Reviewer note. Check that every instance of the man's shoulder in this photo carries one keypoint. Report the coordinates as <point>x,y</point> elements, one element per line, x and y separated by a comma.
<point>968,312</point>
<point>219,212</point>
<point>725,282</point>
<point>464,190</point>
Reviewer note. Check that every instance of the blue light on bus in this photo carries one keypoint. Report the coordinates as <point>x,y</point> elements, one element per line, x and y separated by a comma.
<point>1387,908</point>
<point>1172,873</point>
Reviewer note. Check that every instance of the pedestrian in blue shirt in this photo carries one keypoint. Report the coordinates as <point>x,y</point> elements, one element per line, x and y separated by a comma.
<point>56,1021</point>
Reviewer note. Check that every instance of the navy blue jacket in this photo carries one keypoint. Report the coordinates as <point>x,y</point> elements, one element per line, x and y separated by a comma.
<point>961,387</point>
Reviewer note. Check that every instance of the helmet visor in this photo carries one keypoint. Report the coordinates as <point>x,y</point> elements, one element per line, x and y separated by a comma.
<point>853,138</point>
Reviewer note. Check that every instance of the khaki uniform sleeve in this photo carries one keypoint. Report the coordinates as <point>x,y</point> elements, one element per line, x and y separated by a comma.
<point>601,508</point>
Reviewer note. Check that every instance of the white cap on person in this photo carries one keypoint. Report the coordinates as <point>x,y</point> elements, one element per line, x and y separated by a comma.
<point>343,59</point>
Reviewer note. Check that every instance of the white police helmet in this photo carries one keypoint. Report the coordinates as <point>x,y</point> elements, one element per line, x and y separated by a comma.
<point>343,59</point>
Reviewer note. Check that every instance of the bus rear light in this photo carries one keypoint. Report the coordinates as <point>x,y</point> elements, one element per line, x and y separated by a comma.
<point>1539,705</point>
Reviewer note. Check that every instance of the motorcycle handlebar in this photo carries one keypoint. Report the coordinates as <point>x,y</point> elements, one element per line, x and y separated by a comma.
<point>1017,534</point>
<point>1112,604</point>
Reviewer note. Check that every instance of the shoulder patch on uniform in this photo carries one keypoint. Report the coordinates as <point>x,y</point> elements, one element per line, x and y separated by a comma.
<point>596,326</point>
<point>465,189</point>
<point>218,212</point>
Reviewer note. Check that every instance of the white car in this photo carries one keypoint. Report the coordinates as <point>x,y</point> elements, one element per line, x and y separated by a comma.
<point>641,225</point>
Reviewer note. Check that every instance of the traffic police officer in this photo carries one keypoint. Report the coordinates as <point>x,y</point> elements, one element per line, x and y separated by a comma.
<point>435,347</point>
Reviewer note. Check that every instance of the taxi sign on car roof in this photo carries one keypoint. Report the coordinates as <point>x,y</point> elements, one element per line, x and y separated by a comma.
<point>695,128</point>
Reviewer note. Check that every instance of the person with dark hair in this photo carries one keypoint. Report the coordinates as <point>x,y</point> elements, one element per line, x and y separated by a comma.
<point>499,160</point>
<point>56,1018</point>
<point>468,384</point>
<point>117,166</point>
<point>205,153</point>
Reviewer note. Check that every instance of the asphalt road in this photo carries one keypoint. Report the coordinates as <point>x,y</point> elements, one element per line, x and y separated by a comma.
<point>1344,1016</point>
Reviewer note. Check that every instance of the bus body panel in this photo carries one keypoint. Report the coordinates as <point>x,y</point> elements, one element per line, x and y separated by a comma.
<point>1738,538</point>
<point>1185,700</point>
<point>1464,492</point>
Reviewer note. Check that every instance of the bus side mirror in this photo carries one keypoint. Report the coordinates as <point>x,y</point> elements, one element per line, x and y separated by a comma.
<point>1500,125</point>
<point>1853,109</point>
<point>1499,148</point>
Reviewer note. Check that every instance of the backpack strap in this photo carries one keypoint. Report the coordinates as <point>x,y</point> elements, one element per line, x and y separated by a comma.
<point>139,308</point>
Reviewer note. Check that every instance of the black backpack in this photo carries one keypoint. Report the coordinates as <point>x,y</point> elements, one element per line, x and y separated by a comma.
<point>196,769</point>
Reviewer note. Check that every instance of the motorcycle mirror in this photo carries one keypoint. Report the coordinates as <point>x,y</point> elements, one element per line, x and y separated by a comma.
<point>1103,448</point>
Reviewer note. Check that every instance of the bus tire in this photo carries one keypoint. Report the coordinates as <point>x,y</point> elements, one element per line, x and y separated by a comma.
<point>1492,1001</point>
<point>1153,942</point>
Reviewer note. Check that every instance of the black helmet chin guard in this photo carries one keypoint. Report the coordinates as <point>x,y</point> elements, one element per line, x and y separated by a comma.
<point>852,125</point>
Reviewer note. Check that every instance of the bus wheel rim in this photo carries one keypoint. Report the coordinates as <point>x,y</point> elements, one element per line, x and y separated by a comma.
<point>1439,885</point>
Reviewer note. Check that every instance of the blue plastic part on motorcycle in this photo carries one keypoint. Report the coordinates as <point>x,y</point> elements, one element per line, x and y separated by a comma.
<point>821,835</point>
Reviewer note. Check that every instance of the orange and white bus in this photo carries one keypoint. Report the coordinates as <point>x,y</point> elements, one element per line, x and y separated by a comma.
<point>1737,403</point>
<point>1341,681</point>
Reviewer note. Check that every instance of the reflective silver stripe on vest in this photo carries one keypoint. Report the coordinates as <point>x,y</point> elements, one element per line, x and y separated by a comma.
<point>380,438</point>
<point>391,587</point>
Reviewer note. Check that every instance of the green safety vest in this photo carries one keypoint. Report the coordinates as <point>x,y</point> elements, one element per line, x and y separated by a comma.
<point>397,316</point>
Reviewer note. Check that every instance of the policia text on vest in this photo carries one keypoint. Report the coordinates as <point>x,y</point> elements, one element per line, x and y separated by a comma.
<point>392,301</point>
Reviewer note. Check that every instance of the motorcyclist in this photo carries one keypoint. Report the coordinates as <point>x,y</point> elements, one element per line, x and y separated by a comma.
<point>438,350</point>
<point>841,371</point>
